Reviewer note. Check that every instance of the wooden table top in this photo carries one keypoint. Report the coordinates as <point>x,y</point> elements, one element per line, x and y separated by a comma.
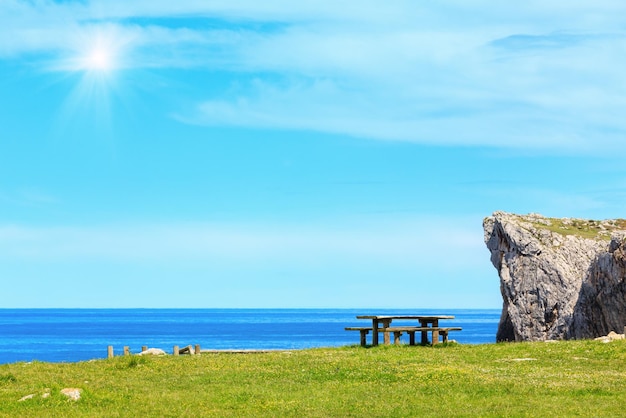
<point>422,317</point>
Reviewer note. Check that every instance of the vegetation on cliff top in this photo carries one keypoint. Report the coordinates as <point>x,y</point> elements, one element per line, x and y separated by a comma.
<point>585,228</point>
<point>567,378</point>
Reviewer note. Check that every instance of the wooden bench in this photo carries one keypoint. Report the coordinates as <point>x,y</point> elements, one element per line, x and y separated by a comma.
<point>397,332</point>
<point>444,332</point>
<point>411,330</point>
<point>436,332</point>
<point>364,331</point>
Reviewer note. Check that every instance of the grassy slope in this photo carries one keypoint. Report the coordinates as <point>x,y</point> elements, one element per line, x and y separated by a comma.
<point>584,228</point>
<point>573,378</point>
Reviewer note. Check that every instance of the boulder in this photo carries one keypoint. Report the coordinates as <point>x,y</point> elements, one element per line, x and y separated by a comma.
<point>612,336</point>
<point>152,352</point>
<point>72,393</point>
<point>559,278</point>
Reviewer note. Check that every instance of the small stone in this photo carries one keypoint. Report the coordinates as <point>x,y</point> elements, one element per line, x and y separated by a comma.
<point>27,397</point>
<point>72,393</point>
<point>153,352</point>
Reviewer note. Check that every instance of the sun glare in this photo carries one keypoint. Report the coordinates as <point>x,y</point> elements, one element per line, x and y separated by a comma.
<point>99,59</point>
<point>100,52</point>
<point>94,62</point>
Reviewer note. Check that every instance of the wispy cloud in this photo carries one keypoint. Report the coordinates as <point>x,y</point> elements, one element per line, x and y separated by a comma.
<point>28,197</point>
<point>409,243</point>
<point>537,76</point>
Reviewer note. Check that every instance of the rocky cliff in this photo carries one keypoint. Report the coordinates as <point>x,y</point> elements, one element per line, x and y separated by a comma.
<point>559,278</point>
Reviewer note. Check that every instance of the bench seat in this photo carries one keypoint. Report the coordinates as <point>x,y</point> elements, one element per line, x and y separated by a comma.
<point>444,332</point>
<point>411,330</point>
<point>363,330</point>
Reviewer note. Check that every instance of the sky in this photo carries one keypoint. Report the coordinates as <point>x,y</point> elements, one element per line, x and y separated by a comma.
<point>309,154</point>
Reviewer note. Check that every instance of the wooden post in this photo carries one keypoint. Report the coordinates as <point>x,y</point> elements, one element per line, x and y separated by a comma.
<point>110,351</point>
<point>363,333</point>
<point>375,332</point>
<point>386,324</point>
<point>175,351</point>
<point>126,350</point>
<point>435,336</point>
<point>435,333</point>
<point>144,348</point>
<point>197,350</point>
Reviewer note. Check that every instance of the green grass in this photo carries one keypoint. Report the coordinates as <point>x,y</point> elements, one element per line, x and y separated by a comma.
<point>585,228</point>
<point>569,378</point>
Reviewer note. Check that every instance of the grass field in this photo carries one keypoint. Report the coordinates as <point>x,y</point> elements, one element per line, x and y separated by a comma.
<point>573,378</point>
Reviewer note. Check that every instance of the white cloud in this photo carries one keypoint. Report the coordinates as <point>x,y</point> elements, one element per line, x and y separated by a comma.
<point>533,75</point>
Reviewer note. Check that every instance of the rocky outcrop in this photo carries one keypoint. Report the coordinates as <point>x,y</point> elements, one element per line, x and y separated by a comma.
<point>559,278</point>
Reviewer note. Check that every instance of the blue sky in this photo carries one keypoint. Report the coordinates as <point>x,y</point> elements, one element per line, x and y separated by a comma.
<point>295,154</point>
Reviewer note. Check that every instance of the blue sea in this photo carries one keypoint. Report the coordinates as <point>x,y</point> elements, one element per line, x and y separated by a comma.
<point>70,335</point>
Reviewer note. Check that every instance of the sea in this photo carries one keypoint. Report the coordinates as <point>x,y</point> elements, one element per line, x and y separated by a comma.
<point>73,335</point>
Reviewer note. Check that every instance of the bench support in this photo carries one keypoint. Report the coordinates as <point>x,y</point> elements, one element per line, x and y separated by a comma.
<point>397,333</point>
<point>363,331</point>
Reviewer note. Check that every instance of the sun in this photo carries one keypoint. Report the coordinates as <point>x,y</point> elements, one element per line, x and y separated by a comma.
<point>94,64</point>
<point>95,51</point>
<point>99,53</point>
<point>99,59</point>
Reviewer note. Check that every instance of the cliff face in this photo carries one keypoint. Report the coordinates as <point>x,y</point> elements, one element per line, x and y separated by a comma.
<point>559,278</point>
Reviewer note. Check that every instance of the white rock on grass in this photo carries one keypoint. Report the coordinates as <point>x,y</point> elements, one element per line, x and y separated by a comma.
<point>612,336</point>
<point>44,395</point>
<point>152,352</point>
<point>72,393</point>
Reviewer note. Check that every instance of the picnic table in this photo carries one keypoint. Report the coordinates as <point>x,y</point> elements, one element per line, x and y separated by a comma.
<point>382,323</point>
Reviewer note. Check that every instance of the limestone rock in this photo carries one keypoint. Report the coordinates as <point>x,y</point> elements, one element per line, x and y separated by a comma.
<point>612,336</point>
<point>44,395</point>
<point>152,352</point>
<point>559,278</point>
<point>72,393</point>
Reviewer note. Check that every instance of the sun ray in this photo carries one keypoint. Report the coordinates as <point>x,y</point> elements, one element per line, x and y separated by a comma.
<point>94,50</point>
<point>92,66</point>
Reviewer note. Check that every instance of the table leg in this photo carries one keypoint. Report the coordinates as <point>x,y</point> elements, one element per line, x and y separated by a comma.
<point>435,332</point>
<point>386,323</point>
<point>375,332</point>
<point>363,337</point>
<point>424,333</point>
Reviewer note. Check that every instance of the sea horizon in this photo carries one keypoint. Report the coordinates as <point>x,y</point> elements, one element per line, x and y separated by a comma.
<point>80,334</point>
